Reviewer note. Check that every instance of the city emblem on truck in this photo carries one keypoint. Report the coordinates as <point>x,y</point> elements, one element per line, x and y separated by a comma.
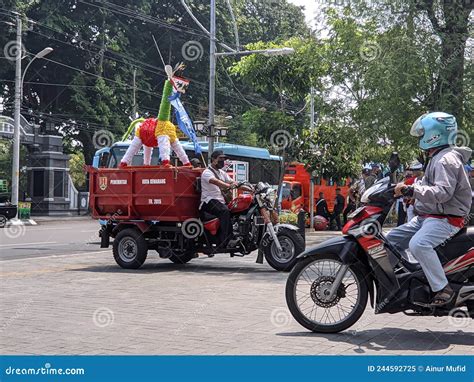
<point>103,182</point>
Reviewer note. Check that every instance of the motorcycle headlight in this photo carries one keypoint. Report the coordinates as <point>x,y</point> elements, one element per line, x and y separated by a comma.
<point>270,196</point>
<point>260,186</point>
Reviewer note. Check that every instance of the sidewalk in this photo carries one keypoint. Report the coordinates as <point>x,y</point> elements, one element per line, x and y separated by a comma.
<point>50,219</point>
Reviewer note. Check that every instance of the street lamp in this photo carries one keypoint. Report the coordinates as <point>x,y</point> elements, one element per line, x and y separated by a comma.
<point>212,69</point>
<point>200,127</point>
<point>40,54</point>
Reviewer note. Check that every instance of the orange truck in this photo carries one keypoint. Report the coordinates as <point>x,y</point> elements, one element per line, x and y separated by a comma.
<point>296,189</point>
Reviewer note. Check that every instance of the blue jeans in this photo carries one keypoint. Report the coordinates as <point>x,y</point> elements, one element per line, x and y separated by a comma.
<point>421,235</point>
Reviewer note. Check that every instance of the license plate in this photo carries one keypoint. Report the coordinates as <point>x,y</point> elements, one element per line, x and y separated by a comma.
<point>355,213</point>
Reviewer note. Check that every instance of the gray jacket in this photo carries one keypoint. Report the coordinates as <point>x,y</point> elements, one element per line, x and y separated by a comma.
<point>445,188</point>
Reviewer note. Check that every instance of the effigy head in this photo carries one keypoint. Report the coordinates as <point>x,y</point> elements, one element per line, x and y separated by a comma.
<point>180,84</point>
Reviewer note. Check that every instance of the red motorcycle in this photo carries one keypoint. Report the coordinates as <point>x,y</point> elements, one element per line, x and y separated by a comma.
<point>328,289</point>
<point>255,226</point>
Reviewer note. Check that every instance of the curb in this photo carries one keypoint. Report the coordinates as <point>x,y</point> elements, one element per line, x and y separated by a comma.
<point>19,222</point>
<point>44,219</point>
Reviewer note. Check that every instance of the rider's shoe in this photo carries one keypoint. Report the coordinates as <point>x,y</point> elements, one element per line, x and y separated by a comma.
<point>443,297</point>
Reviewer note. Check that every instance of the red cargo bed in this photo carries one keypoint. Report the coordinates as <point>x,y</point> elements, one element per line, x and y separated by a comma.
<point>144,193</point>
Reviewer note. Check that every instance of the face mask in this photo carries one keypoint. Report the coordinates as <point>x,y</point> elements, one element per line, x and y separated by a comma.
<point>220,164</point>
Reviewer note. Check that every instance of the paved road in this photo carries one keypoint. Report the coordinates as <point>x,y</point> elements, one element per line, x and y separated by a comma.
<point>60,295</point>
<point>49,238</point>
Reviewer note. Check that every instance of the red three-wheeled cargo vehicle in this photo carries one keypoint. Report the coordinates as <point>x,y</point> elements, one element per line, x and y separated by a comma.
<point>157,208</point>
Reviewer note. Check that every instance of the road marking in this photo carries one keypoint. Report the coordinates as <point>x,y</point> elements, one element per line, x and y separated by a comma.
<point>40,271</point>
<point>55,256</point>
<point>28,244</point>
<point>47,229</point>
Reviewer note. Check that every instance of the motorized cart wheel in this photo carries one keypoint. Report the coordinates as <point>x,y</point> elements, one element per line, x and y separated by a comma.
<point>130,248</point>
<point>292,244</point>
<point>183,258</point>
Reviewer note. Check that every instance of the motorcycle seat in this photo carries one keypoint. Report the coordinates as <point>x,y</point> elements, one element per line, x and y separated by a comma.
<point>456,246</point>
<point>206,216</point>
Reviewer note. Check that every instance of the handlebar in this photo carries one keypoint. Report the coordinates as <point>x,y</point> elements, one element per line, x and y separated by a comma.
<point>240,184</point>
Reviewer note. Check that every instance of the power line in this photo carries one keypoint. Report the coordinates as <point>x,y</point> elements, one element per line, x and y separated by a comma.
<point>143,17</point>
<point>260,102</point>
<point>49,84</point>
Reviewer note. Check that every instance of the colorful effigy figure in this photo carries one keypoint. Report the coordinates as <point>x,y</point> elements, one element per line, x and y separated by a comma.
<point>160,132</point>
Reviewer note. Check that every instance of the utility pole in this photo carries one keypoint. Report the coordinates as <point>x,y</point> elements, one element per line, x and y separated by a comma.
<point>134,106</point>
<point>212,79</point>
<point>16,131</point>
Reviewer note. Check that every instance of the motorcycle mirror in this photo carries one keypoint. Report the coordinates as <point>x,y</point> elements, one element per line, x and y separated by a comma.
<point>394,162</point>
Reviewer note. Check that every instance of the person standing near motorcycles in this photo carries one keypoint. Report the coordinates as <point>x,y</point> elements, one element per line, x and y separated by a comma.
<point>442,200</point>
<point>339,204</point>
<point>322,207</point>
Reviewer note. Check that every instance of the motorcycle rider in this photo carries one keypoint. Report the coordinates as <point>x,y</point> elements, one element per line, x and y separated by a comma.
<point>442,199</point>
<point>214,183</point>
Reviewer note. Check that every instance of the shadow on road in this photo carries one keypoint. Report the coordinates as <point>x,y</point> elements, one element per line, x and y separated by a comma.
<point>394,339</point>
<point>217,269</point>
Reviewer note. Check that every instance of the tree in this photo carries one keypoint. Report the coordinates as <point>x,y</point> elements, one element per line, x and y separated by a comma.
<point>85,85</point>
<point>270,21</point>
<point>450,22</point>
<point>76,170</point>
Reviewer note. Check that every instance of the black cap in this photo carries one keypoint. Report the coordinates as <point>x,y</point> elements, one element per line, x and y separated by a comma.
<point>217,153</point>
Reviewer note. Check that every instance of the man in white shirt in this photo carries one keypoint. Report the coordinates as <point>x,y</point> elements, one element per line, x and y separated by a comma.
<point>214,180</point>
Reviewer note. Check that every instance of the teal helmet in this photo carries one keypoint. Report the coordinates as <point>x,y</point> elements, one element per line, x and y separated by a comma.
<point>435,130</point>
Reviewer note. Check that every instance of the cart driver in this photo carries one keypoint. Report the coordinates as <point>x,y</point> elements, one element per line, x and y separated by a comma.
<point>215,183</point>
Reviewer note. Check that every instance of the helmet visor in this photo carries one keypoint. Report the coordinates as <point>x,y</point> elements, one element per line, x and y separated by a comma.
<point>417,130</point>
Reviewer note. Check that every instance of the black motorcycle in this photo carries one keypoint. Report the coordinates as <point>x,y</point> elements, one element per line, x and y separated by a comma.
<point>328,289</point>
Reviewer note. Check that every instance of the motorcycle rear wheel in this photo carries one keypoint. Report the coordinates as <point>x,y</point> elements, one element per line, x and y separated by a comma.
<point>318,282</point>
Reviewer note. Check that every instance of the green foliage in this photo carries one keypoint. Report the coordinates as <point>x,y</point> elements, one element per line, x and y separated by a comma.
<point>76,170</point>
<point>287,77</point>
<point>269,20</point>
<point>97,46</point>
<point>333,151</point>
<point>374,75</point>
<point>241,134</point>
<point>264,123</point>
<point>6,161</point>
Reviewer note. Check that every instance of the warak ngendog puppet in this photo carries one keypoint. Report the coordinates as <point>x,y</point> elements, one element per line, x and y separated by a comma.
<point>161,132</point>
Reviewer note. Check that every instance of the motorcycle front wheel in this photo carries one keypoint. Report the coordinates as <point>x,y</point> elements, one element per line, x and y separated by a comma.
<point>307,291</point>
<point>292,244</point>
